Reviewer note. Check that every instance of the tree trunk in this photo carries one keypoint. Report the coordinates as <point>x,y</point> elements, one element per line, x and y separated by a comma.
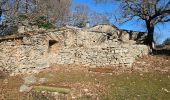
<point>0,12</point>
<point>26,7</point>
<point>150,37</point>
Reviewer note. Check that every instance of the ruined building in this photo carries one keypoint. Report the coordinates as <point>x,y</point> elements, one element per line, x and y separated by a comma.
<point>33,49</point>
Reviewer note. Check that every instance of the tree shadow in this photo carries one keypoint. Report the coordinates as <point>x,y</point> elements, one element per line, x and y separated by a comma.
<point>161,52</point>
<point>3,75</point>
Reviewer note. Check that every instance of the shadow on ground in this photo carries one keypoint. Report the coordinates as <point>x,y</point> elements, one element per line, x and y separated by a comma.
<point>161,52</point>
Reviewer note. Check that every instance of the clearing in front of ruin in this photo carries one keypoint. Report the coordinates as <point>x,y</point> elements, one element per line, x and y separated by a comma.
<point>148,80</point>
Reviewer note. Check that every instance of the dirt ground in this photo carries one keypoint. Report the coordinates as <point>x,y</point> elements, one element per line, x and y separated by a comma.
<point>148,79</point>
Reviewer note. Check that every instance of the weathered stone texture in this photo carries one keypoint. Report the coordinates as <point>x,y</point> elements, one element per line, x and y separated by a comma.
<point>24,54</point>
<point>113,56</point>
<point>96,47</point>
<point>32,52</point>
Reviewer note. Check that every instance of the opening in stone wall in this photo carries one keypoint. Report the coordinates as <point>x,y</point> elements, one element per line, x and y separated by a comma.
<point>53,46</point>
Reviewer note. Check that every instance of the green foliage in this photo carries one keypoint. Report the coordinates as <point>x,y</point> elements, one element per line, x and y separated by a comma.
<point>22,17</point>
<point>47,25</point>
<point>160,46</point>
<point>3,26</point>
<point>167,42</point>
<point>164,44</point>
<point>42,22</point>
<point>52,89</point>
<point>81,24</point>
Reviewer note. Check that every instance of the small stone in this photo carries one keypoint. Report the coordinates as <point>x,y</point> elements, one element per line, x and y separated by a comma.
<point>5,81</point>
<point>93,66</point>
<point>42,80</point>
<point>29,80</point>
<point>25,88</point>
<point>21,29</point>
<point>86,90</point>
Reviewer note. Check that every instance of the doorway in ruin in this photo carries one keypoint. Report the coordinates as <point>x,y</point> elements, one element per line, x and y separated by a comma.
<point>53,47</point>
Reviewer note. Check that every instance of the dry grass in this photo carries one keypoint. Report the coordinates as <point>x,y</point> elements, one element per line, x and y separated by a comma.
<point>149,80</point>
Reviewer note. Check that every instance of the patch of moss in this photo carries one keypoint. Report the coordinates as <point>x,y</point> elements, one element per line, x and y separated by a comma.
<point>51,89</point>
<point>47,25</point>
<point>22,17</point>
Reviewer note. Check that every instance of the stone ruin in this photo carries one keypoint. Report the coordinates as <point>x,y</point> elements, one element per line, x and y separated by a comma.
<point>102,45</point>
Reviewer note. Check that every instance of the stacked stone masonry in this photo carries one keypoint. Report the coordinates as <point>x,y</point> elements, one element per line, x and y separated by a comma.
<point>113,56</point>
<point>26,54</point>
<point>32,51</point>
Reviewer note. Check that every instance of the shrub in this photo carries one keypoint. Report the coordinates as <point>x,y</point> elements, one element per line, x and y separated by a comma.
<point>81,24</point>
<point>167,42</point>
<point>22,17</point>
<point>42,22</point>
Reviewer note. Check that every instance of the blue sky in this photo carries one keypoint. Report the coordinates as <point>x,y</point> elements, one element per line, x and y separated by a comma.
<point>162,31</point>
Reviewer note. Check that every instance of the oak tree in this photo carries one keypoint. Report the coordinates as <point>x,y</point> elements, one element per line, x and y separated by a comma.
<point>152,12</point>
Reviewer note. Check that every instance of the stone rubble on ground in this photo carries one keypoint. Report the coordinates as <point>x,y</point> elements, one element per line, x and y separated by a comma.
<point>28,82</point>
<point>25,88</point>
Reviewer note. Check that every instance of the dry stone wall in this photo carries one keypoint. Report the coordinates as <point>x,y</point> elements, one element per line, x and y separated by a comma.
<point>113,56</point>
<point>24,55</point>
<point>32,51</point>
<point>92,47</point>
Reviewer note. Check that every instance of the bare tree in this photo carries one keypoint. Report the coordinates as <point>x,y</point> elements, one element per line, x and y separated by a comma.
<point>80,15</point>
<point>7,17</point>
<point>151,12</point>
<point>98,18</point>
<point>12,10</point>
<point>54,9</point>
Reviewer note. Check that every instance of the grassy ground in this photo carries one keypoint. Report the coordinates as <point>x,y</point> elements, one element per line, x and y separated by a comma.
<point>88,85</point>
<point>134,86</point>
